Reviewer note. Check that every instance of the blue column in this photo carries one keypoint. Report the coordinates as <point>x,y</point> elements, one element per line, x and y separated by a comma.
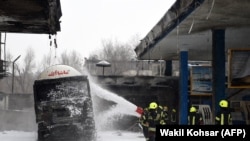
<point>183,110</point>
<point>218,62</point>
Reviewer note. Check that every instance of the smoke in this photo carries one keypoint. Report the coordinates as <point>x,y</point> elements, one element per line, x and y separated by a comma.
<point>18,115</point>
<point>114,109</point>
<point>125,107</point>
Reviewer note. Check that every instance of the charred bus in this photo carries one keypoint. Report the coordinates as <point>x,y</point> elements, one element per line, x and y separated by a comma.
<point>63,105</point>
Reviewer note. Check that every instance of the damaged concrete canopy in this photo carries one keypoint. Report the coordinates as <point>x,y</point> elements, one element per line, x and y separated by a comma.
<point>30,16</point>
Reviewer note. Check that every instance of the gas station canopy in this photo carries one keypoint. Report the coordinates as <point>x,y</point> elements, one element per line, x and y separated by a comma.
<point>188,25</point>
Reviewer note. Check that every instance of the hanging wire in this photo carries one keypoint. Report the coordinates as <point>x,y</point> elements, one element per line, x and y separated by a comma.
<point>50,50</point>
<point>191,27</point>
<point>210,11</point>
<point>194,16</point>
<point>50,41</point>
<point>55,45</point>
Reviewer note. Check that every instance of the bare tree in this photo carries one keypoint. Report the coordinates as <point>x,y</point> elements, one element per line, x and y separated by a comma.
<point>46,62</point>
<point>26,73</point>
<point>72,59</point>
<point>115,51</point>
<point>118,54</point>
<point>25,78</point>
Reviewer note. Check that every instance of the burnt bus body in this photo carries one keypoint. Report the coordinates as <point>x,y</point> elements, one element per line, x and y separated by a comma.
<point>63,106</point>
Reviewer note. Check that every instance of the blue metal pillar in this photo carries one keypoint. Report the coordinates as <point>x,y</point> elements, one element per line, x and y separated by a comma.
<point>218,62</point>
<point>183,110</point>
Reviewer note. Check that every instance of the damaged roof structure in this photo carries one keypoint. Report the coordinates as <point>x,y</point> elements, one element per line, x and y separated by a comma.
<point>30,16</point>
<point>188,24</point>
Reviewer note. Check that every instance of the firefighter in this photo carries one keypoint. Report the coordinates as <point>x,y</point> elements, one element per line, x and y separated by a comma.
<point>161,112</point>
<point>173,116</point>
<point>144,123</point>
<point>153,118</point>
<point>223,117</point>
<point>164,116</point>
<point>194,117</point>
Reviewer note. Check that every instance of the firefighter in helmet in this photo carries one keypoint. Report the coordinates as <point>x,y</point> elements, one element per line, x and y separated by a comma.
<point>144,124</point>
<point>153,118</point>
<point>194,117</point>
<point>173,116</point>
<point>223,117</point>
<point>164,116</point>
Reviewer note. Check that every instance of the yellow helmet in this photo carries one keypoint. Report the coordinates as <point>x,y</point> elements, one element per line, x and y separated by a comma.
<point>223,103</point>
<point>153,105</point>
<point>192,109</point>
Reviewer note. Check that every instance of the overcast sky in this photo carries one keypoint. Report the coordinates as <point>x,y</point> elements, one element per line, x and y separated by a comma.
<point>85,23</point>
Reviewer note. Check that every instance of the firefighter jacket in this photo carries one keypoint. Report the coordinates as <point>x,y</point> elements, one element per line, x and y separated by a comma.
<point>173,117</point>
<point>195,118</point>
<point>164,117</point>
<point>153,119</point>
<point>223,117</point>
<point>143,118</point>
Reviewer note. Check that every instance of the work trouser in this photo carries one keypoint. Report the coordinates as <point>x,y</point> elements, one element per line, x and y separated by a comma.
<point>145,132</point>
<point>151,133</point>
<point>151,136</point>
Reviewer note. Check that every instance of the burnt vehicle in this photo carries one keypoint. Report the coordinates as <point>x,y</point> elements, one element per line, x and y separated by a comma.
<point>63,105</point>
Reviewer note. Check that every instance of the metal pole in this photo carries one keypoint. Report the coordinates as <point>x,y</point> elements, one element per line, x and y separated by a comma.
<point>183,111</point>
<point>13,67</point>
